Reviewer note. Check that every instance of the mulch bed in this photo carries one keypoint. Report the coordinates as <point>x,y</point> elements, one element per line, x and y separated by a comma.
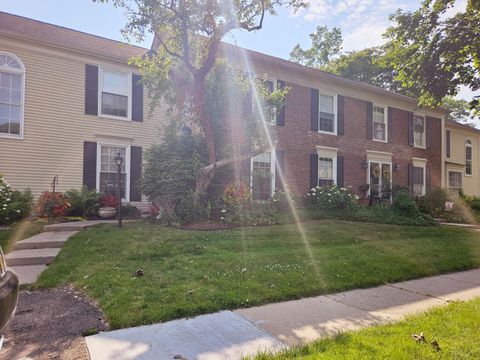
<point>48,324</point>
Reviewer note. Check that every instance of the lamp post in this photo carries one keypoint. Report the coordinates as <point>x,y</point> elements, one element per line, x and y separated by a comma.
<point>119,161</point>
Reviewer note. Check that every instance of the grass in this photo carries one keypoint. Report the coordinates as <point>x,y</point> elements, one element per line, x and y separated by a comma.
<point>192,272</point>
<point>19,232</point>
<point>455,327</point>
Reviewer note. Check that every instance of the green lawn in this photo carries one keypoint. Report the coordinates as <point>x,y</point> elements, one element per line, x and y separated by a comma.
<point>18,232</point>
<point>189,273</point>
<point>456,328</point>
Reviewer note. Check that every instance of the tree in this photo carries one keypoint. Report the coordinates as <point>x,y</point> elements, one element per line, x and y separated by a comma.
<point>325,46</point>
<point>366,66</point>
<point>458,109</point>
<point>436,53</point>
<point>189,35</point>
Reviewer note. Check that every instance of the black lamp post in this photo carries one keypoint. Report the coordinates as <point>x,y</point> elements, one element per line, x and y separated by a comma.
<point>119,161</point>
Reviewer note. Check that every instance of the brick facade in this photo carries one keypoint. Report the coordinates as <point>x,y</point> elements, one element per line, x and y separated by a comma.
<point>298,141</point>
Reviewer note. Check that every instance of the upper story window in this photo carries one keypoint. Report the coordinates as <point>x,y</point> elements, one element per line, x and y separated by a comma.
<point>12,88</point>
<point>468,157</point>
<point>115,94</point>
<point>419,139</point>
<point>379,123</point>
<point>269,111</point>
<point>328,117</point>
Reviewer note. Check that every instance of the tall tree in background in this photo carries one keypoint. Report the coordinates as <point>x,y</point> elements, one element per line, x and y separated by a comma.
<point>326,45</point>
<point>434,52</point>
<point>190,33</point>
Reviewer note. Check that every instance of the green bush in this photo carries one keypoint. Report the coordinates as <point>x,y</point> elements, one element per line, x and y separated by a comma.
<point>83,202</point>
<point>331,198</point>
<point>404,204</point>
<point>433,203</point>
<point>130,212</point>
<point>256,213</point>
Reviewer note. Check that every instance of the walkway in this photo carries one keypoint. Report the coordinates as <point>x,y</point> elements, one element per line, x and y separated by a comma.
<point>233,334</point>
<point>31,256</point>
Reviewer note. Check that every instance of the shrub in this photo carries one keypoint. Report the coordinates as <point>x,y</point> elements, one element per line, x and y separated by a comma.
<point>404,204</point>
<point>52,205</point>
<point>14,205</point>
<point>83,202</point>
<point>108,201</point>
<point>235,194</point>
<point>331,198</point>
<point>255,213</point>
<point>190,210</point>
<point>433,203</point>
<point>130,212</point>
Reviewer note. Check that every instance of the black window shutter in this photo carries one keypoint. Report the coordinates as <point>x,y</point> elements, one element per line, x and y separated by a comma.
<point>340,172</point>
<point>137,98</point>
<point>410,177</point>
<point>448,143</point>
<point>313,170</point>
<point>340,115</point>
<point>428,177</point>
<point>410,129</point>
<point>135,173</point>
<point>428,135</point>
<point>314,110</point>
<point>279,173</point>
<point>91,89</point>
<point>245,167</point>
<point>390,124</point>
<point>369,119</point>
<point>281,113</point>
<point>90,164</point>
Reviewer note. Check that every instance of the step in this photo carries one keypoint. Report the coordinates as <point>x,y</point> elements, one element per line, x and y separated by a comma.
<point>77,225</point>
<point>31,256</point>
<point>44,240</point>
<point>28,274</point>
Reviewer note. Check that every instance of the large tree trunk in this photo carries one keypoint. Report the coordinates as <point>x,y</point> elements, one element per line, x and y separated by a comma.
<point>200,111</point>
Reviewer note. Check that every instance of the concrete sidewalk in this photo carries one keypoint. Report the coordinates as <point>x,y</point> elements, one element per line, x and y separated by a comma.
<point>231,335</point>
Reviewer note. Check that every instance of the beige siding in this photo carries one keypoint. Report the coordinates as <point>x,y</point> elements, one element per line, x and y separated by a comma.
<point>456,161</point>
<point>55,125</point>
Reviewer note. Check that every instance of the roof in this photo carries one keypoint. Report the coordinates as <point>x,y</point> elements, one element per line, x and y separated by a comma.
<point>461,126</point>
<point>58,36</point>
<point>234,50</point>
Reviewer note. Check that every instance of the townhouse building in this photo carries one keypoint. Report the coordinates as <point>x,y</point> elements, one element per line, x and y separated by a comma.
<point>70,101</point>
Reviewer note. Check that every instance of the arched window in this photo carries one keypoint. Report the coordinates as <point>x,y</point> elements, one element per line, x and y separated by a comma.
<point>12,91</point>
<point>468,157</point>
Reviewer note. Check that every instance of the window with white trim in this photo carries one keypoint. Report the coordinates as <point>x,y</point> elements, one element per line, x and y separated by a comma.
<point>419,131</point>
<point>12,88</point>
<point>262,176</point>
<point>107,170</point>
<point>327,119</point>
<point>455,181</point>
<point>468,157</point>
<point>327,165</point>
<point>269,111</point>
<point>379,123</point>
<point>419,177</point>
<point>114,94</point>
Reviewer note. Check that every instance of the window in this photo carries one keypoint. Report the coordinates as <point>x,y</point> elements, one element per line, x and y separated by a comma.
<point>107,170</point>
<point>380,179</point>
<point>325,171</point>
<point>262,176</point>
<point>419,131</point>
<point>455,181</point>
<point>468,157</point>
<point>269,111</point>
<point>379,123</point>
<point>12,85</point>
<point>327,116</point>
<point>115,94</point>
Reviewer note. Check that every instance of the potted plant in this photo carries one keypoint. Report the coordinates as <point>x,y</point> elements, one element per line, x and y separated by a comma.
<point>108,207</point>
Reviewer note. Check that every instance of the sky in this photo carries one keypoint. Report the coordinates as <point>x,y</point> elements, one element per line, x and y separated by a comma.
<point>362,22</point>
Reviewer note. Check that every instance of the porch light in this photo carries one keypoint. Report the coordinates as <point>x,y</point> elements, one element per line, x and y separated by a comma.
<point>364,164</point>
<point>396,167</point>
<point>119,161</point>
